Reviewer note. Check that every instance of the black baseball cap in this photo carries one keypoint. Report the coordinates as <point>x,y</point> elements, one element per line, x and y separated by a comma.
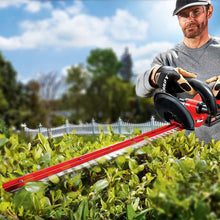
<point>182,4</point>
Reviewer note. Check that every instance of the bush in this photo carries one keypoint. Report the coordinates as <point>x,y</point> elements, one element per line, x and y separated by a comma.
<point>57,120</point>
<point>176,177</point>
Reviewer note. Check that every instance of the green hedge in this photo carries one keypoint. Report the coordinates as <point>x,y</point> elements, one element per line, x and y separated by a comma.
<point>176,177</point>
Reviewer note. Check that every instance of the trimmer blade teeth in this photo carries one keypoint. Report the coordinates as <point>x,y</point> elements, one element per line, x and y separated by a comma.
<point>91,159</point>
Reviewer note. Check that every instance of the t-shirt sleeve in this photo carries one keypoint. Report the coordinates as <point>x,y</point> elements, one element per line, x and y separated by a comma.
<point>143,86</point>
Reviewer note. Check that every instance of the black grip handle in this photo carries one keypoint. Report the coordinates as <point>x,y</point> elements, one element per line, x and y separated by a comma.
<point>206,94</point>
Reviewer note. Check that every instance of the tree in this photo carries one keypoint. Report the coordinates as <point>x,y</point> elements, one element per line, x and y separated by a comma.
<point>111,101</point>
<point>108,95</point>
<point>99,92</point>
<point>3,102</point>
<point>104,67</point>
<point>19,103</point>
<point>78,79</point>
<point>9,93</point>
<point>103,63</point>
<point>126,70</point>
<point>35,109</point>
<point>50,85</point>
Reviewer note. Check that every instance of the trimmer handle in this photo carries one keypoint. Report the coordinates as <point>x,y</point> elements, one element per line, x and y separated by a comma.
<point>206,94</point>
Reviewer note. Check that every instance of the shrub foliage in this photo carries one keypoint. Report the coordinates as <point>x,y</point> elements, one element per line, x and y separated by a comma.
<point>176,177</point>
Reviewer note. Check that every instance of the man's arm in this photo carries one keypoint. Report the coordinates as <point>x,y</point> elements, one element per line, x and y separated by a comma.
<point>164,76</point>
<point>144,82</point>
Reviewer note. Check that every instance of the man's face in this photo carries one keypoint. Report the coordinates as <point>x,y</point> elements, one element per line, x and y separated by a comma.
<point>193,21</point>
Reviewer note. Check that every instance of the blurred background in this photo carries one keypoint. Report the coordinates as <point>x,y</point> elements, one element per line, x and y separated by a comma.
<point>78,59</point>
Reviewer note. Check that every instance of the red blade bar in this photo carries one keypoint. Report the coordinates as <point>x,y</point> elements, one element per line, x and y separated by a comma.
<point>67,166</point>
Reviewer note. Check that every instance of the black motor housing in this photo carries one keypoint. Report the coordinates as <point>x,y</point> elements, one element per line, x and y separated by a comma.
<point>171,109</point>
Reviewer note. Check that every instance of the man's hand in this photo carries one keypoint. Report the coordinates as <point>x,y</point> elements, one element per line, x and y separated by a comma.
<point>172,80</point>
<point>216,87</point>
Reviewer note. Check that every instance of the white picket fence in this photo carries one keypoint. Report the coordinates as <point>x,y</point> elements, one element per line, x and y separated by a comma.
<point>93,128</point>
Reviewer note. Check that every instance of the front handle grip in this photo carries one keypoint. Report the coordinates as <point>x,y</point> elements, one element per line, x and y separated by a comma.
<point>206,94</point>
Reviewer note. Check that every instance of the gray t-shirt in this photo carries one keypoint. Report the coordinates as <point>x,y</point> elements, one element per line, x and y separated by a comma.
<point>203,61</point>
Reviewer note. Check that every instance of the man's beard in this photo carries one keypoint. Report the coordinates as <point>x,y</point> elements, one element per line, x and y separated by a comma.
<point>197,29</point>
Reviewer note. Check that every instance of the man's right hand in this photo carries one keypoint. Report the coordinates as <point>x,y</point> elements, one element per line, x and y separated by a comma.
<point>172,80</point>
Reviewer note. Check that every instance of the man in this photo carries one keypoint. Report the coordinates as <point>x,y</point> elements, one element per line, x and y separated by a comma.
<point>197,56</point>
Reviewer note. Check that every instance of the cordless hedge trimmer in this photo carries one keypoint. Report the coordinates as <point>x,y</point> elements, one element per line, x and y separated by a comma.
<point>203,109</point>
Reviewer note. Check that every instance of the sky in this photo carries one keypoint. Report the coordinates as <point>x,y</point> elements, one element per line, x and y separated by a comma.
<point>43,36</point>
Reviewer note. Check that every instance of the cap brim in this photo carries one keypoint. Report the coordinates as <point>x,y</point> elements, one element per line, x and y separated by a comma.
<point>189,5</point>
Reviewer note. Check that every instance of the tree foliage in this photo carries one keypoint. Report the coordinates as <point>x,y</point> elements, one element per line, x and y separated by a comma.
<point>78,81</point>
<point>36,111</point>
<point>99,92</point>
<point>108,95</point>
<point>110,100</point>
<point>19,103</point>
<point>96,91</point>
<point>126,70</point>
<point>10,92</point>
<point>103,63</point>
